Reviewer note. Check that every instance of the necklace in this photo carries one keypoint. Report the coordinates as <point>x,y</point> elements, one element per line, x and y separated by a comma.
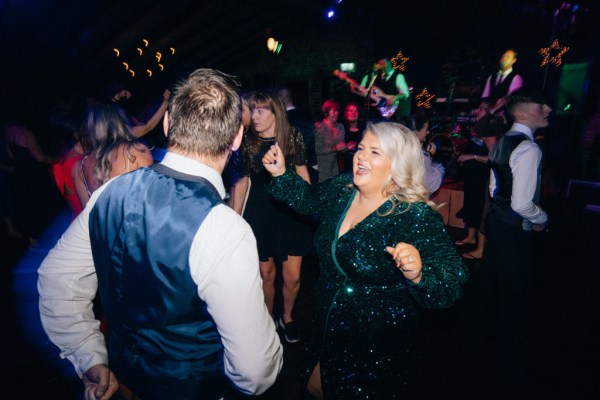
<point>267,139</point>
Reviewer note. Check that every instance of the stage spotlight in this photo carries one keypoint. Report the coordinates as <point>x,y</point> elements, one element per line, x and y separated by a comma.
<point>330,14</point>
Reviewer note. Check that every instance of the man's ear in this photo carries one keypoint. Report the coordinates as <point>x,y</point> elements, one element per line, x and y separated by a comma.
<point>166,124</point>
<point>237,142</point>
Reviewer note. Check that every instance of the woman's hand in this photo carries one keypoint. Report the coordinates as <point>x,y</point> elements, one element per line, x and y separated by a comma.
<point>408,260</point>
<point>274,161</point>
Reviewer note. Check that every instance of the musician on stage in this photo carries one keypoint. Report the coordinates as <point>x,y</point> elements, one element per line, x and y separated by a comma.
<point>388,83</point>
<point>503,82</point>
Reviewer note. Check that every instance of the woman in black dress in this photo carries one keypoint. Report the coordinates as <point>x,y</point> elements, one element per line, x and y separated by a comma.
<point>282,235</point>
<point>487,128</point>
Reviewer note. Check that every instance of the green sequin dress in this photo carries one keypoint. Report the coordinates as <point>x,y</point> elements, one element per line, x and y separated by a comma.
<point>366,315</point>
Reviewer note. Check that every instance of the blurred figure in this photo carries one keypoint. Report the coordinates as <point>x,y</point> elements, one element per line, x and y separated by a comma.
<point>353,129</point>
<point>434,172</point>
<point>65,124</point>
<point>484,133</point>
<point>110,150</point>
<point>120,95</point>
<point>502,83</point>
<point>330,140</point>
<point>299,119</point>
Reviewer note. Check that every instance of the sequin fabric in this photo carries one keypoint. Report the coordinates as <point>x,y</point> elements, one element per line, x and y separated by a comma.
<point>367,312</point>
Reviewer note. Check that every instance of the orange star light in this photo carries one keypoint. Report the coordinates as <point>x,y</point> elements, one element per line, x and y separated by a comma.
<point>424,99</point>
<point>399,61</point>
<point>553,54</point>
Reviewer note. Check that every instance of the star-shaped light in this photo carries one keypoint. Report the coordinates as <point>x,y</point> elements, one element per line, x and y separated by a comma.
<point>553,54</point>
<point>424,99</point>
<point>399,61</point>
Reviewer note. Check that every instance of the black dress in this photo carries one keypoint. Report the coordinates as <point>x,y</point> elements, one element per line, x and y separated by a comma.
<point>477,174</point>
<point>280,232</point>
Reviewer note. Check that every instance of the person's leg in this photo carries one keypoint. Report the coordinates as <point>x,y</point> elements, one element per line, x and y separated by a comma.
<point>267,273</point>
<point>314,383</point>
<point>469,239</point>
<point>291,285</point>
<point>478,252</point>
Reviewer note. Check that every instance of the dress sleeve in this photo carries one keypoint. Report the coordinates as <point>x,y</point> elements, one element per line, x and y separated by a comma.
<point>299,147</point>
<point>306,199</point>
<point>444,273</point>
<point>241,160</point>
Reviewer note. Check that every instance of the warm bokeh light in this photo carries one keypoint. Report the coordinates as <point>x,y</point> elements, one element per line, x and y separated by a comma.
<point>117,52</point>
<point>424,98</point>
<point>399,61</point>
<point>553,54</point>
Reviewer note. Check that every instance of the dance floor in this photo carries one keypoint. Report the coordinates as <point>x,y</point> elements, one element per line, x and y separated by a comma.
<point>562,333</point>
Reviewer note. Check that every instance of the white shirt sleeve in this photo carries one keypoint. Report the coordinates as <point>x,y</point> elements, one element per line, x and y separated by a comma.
<point>224,265</point>
<point>67,284</point>
<point>434,173</point>
<point>401,86</point>
<point>524,163</point>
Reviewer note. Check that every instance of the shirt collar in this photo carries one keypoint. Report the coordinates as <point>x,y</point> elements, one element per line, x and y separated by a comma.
<point>517,127</point>
<point>505,73</point>
<point>192,167</point>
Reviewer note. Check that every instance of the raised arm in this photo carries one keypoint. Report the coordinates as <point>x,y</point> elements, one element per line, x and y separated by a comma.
<point>141,130</point>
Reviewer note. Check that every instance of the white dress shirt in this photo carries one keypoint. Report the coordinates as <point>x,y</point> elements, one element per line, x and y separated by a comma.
<point>524,163</point>
<point>224,265</point>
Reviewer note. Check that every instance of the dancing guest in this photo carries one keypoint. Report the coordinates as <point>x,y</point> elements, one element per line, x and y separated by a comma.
<point>329,140</point>
<point>353,128</point>
<point>120,96</point>
<point>283,236</point>
<point>110,150</point>
<point>65,124</point>
<point>502,287</point>
<point>176,269</point>
<point>434,172</point>
<point>383,251</point>
<point>477,174</point>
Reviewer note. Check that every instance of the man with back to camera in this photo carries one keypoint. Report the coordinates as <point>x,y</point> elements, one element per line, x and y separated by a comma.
<point>515,212</point>
<point>175,267</point>
<point>503,82</point>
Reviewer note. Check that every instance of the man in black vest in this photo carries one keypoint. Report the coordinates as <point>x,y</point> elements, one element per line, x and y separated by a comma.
<point>504,82</point>
<point>176,269</point>
<point>390,85</point>
<point>503,288</point>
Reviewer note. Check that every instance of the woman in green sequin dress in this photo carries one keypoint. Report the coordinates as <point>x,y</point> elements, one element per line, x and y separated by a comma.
<point>383,253</point>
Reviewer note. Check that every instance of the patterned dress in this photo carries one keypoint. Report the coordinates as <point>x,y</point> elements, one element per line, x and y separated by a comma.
<point>367,311</point>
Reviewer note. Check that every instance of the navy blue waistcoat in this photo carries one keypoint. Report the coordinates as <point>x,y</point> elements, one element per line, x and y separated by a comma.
<point>162,342</point>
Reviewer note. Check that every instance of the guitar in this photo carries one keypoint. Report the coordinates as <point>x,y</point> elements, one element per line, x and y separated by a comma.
<point>379,98</point>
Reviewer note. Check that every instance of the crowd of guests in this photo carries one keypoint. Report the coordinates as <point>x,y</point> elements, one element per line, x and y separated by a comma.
<point>184,249</point>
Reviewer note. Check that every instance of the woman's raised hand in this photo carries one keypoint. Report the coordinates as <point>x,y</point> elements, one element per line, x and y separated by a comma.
<point>274,161</point>
<point>408,261</point>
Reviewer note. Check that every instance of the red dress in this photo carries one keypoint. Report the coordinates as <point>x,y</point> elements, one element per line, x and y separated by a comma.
<point>64,179</point>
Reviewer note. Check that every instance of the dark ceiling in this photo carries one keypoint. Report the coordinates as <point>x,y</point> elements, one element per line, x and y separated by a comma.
<point>47,44</point>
